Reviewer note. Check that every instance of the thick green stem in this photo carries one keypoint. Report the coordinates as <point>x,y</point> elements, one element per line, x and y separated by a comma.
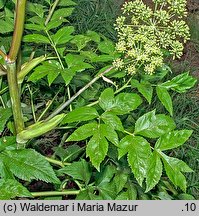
<point>18,30</point>
<point>11,65</point>
<point>68,102</point>
<point>15,97</point>
<point>55,193</point>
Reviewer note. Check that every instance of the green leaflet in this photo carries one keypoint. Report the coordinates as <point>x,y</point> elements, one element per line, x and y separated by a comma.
<point>38,9</point>
<point>2,2</point>
<point>63,35</point>
<point>8,143</point>
<point>76,63</point>
<point>145,88</point>
<point>36,38</point>
<point>52,75</point>
<point>165,98</point>
<point>5,114</point>
<point>109,133</point>
<point>174,168</point>
<point>107,191</point>
<point>107,47</point>
<point>73,60</point>
<point>94,36</point>
<point>55,23</point>
<point>112,120</point>
<point>154,126</point>
<point>35,23</point>
<point>102,58</point>
<point>88,194</point>
<point>5,172</point>
<point>37,27</point>
<point>27,165</point>
<point>138,158</point>
<point>105,183</point>
<point>129,194</point>
<point>51,69</point>
<point>89,54</point>
<point>66,3</point>
<point>124,144</point>
<point>175,162</point>
<point>97,147</point>
<point>81,114</point>
<point>105,175</point>
<point>126,102</point>
<point>10,189</point>
<point>121,104</point>
<point>184,196</point>
<point>37,20</point>
<point>106,99</point>
<point>139,152</point>
<point>180,83</point>
<point>173,139</point>
<point>120,180</point>
<point>176,177</point>
<point>62,13</point>
<point>83,132</point>
<point>67,74</point>
<point>68,154</point>
<point>6,25</point>
<point>78,170</point>
<point>154,171</point>
<point>80,41</point>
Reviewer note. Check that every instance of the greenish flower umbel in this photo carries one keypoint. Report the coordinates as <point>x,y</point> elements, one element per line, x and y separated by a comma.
<point>144,34</point>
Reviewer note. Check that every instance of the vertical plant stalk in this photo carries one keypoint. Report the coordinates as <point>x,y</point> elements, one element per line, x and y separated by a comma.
<point>11,65</point>
<point>18,30</point>
<point>15,97</point>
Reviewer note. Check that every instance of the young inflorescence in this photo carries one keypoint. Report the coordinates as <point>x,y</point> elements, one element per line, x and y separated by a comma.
<point>145,34</point>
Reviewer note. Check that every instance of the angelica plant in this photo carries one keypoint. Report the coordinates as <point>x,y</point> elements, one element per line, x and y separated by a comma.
<point>145,34</point>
